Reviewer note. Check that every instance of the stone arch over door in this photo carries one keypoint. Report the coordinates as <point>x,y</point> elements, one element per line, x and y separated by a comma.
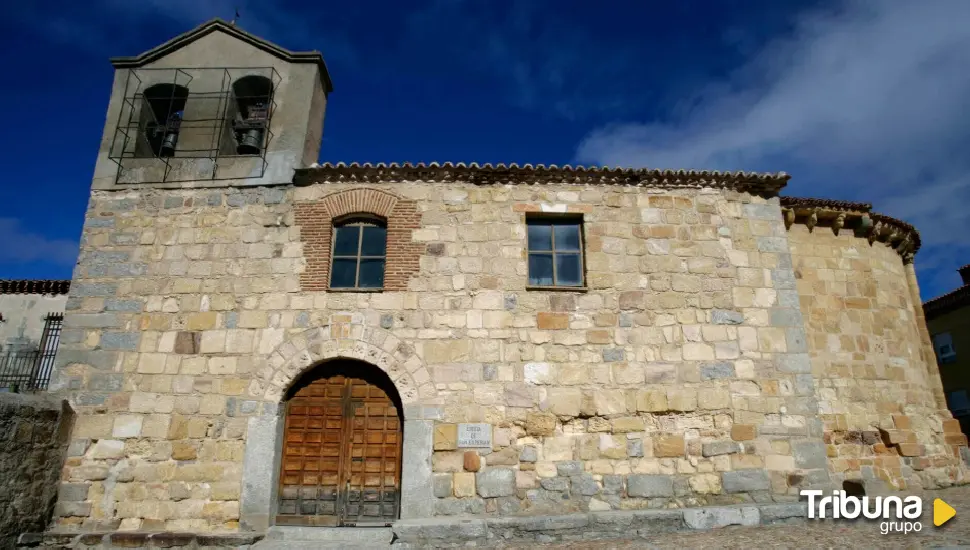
<point>288,362</point>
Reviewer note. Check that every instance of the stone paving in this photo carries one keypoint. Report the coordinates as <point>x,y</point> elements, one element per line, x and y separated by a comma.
<point>827,534</point>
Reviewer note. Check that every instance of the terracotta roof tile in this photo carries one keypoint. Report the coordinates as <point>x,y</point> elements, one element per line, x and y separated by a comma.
<point>539,174</point>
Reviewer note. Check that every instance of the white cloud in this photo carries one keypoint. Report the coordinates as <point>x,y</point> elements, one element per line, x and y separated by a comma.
<point>866,102</point>
<point>20,245</point>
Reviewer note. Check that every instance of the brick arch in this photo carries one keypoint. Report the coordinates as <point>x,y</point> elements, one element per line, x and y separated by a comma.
<point>361,200</point>
<point>315,219</point>
<point>373,345</point>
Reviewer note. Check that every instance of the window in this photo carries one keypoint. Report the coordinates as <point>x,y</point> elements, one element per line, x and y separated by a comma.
<point>943,344</point>
<point>555,252</point>
<point>162,109</point>
<point>359,254</point>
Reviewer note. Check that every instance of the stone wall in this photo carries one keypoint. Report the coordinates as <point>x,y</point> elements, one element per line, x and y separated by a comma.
<point>34,435</point>
<point>679,376</point>
<point>877,381</point>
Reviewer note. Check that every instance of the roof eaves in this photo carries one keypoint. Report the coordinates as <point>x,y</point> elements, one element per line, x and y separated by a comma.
<point>513,173</point>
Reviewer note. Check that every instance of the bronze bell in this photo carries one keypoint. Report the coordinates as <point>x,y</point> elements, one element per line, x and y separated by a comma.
<point>168,145</point>
<point>251,142</point>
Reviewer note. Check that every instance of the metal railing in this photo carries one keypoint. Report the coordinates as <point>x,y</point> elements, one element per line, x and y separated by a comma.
<point>30,369</point>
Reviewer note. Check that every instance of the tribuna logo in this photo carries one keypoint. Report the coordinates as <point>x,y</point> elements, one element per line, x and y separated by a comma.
<point>839,505</point>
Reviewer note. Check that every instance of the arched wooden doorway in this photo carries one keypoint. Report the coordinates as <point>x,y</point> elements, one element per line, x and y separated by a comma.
<point>341,459</point>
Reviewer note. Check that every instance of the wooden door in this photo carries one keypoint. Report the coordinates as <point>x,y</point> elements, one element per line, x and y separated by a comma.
<point>341,455</point>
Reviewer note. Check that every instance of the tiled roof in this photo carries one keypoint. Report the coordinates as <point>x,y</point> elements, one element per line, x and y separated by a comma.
<point>948,302</point>
<point>34,287</point>
<point>539,174</point>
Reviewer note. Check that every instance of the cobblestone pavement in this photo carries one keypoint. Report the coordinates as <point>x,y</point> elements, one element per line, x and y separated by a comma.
<point>823,534</point>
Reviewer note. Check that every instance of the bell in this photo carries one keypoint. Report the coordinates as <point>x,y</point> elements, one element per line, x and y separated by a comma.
<point>251,142</point>
<point>168,145</point>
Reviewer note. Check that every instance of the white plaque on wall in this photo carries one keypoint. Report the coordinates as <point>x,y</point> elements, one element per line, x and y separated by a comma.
<point>475,435</point>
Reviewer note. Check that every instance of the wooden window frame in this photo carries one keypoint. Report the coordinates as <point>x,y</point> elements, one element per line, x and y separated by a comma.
<point>553,221</point>
<point>360,221</point>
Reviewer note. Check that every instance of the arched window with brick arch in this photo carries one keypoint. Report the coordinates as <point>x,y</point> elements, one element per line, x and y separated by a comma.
<point>360,240</point>
<point>359,252</point>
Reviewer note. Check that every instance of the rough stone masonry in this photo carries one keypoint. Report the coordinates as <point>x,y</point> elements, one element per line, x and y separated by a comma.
<point>727,346</point>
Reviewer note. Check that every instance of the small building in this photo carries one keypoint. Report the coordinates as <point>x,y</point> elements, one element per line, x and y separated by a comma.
<point>31,313</point>
<point>948,320</point>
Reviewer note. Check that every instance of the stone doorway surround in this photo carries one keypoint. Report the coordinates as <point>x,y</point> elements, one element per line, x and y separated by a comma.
<point>299,354</point>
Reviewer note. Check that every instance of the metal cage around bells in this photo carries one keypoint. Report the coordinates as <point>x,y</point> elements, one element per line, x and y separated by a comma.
<point>190,124</point>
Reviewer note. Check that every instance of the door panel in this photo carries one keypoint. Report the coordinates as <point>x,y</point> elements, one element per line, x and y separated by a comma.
<point>341,455</point>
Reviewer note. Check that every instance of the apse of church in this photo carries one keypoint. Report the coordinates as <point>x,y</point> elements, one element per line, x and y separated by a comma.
<point>253,340</point>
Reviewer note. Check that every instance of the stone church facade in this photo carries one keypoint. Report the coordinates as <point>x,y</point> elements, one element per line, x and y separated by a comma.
<point>253,340</point>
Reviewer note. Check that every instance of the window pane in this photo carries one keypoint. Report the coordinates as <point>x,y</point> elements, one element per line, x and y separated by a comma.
<point>371,273</point>
<point>375,239</point>
<point>540,237</point>
<point>540,269</point>
<point>568,272</point>
<point>567,237</point>
<point>345,240</point>
<point>344,272</point>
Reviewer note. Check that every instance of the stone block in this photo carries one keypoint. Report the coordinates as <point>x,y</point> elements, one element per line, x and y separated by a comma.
<point>471,461</point>
<point>711,518</point>
<point>809,455</point>
<point>609,402</point>
<point>683,400</point>
<point>744,432</point>
<point>651,401</point>
<point>508,456</point>
<point>552,321</point>
<point>108,448</point>
<point>726,317</point>
<point>717,371</point>
<point>744,481</point>
<point>128,425</point>
<point>613,355</point>
<point>495,482</point>
<point>716,448</point>
<point>445,437</point>
<point>634,447</point>
<point>188,343</point>
<point>950,425</point>
<point>540,423</point>
<point>626,424</point>
<point>528,454</point>
<point>564,402</point>
<point>464,484</point>
<point>713,398</point>
<point>910,449</point>
<point>447,461</point>
<point>569,468</point>
<point>649,486</point>
<point>585,485</point>
<point>73,492</point>
<point>669,446</point>
<point>442,486</point>
<point>555,483</point>
<point>705,484</point>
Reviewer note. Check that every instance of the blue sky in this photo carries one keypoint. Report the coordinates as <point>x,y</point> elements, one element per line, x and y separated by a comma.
<point>857,100</point>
